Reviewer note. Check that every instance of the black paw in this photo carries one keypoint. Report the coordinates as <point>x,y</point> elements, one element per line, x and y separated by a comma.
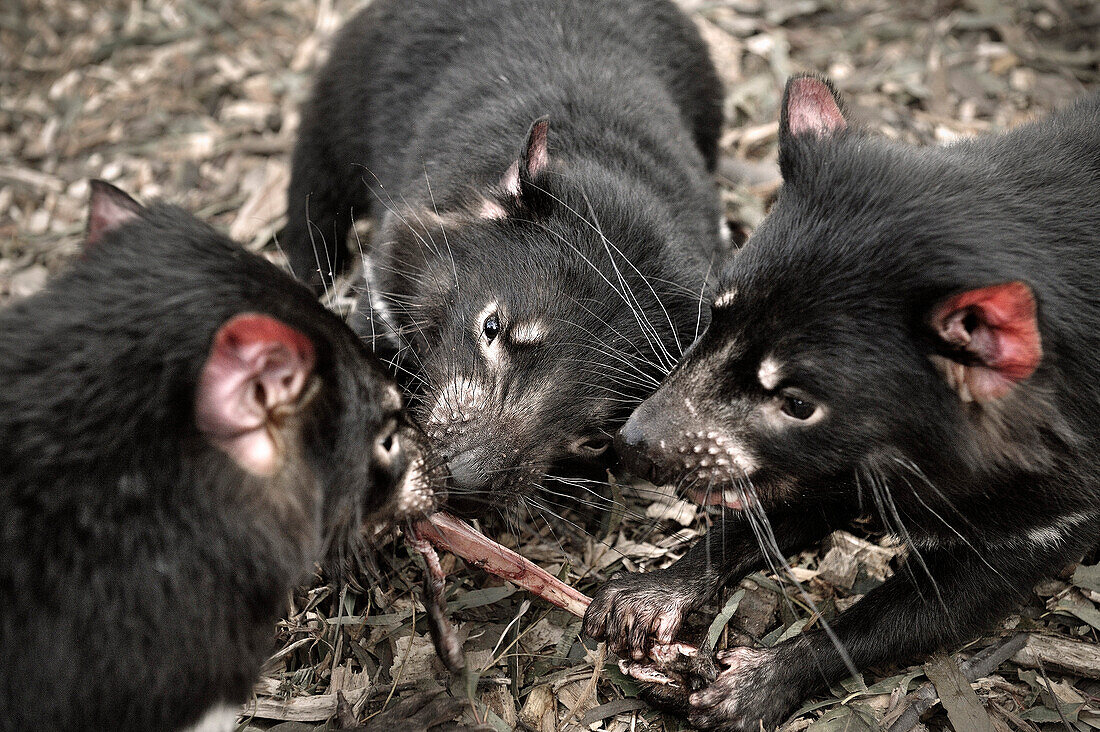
<point>671,675</point>
<point>634,612</point>
<point>752,692</point>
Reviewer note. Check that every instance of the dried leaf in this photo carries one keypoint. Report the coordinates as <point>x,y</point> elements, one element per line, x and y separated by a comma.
<point>956,695</point>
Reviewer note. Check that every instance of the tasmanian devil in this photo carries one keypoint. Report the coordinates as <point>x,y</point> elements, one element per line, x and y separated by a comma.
<point>182,429</point>
<point>912,332</point>
<point>539,173</point>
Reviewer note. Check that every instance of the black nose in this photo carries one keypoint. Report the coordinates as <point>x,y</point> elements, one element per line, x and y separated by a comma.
<point>632,434</point>
<point>466,471</point>
<point>632,443</point>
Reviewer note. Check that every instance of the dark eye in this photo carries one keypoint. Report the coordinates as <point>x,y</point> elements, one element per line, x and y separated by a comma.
<point>591,447</point>
<point>798,408</point>
<point>491,326</point>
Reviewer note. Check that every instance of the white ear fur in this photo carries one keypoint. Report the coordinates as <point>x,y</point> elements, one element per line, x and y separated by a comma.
<point>509,182</point>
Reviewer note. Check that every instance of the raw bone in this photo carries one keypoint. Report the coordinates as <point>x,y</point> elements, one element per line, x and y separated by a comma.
<point>677,666</point>
<point>459,538</point>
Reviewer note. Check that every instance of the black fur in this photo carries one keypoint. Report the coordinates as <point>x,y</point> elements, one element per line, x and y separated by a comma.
<point>142,570</point>
<point>421,117</point>
<point>839,287</point>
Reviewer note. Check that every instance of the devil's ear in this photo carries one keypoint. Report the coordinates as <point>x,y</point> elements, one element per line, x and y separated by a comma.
<point>258,368</point>
<point>991,337</point>
<point>108,209</point>
<point>533,159</point>
<point>811,106</point>
<point>536,151</point>
<point>811,109</point>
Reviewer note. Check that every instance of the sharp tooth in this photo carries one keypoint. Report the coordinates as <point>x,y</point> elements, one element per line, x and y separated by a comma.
<point>729,495</point>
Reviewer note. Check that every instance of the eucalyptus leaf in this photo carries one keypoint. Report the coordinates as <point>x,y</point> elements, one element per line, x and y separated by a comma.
<point>1087,576</point>
<point>1082,611</point>
<point>723,617</point>
<point>845,719</point>
<point>479,598</point>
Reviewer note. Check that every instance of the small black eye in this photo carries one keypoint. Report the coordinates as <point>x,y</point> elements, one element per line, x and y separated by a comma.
<point>491,326</point>
<point>798,408</point>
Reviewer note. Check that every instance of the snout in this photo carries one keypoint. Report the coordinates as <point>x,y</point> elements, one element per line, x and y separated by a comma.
<point>468,473</point>
<point>414,474</point>
<point>640,445</point>
<point>668,440</point>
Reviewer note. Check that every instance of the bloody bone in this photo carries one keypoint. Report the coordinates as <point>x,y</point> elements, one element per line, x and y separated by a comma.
<point>444,638</point>
<point>677,668</point>
<point>457,537</point>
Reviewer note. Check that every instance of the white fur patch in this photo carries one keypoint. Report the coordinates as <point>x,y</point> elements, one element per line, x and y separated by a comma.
<point>1054,535</point>
<point>490,209</point>
<point>725,299</point>
<point>509,182</point>
<point>391,399</point>
<point>220,718</point>
<point>413,495</point>
<point>768,373</point>
<point>739,457</point>
<point>531,331</point>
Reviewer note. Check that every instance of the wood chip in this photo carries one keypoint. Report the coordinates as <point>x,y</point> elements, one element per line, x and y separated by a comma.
<point>1063,654</point>
<point>299,709</point>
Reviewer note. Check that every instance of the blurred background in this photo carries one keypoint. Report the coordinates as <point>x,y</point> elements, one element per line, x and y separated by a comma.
<point>197,102</point>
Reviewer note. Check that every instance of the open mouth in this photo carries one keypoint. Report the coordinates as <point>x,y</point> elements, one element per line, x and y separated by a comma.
<point>726,497</point>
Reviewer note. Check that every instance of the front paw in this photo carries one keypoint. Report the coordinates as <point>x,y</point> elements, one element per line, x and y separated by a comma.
<point>672,674</point>
<point>634,612</point>
<point>751,693</point>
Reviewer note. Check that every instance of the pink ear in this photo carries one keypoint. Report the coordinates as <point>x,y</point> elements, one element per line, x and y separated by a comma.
<point>995,334</point>
<point>810,107</point>
<point>532,160</point>
<point>536,153</point>
<point>108,209</point>
<point>257,367</point>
